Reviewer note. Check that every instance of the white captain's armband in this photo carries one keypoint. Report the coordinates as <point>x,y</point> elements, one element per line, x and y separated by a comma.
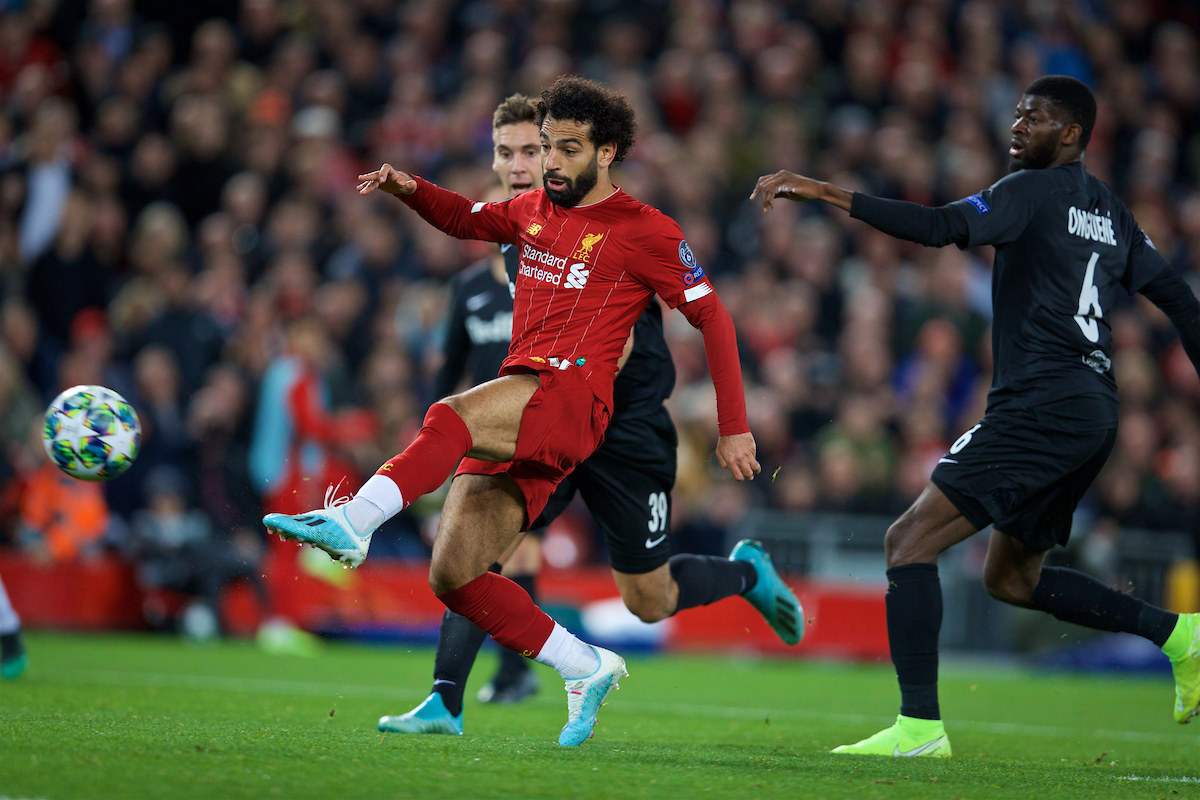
<point>696,292</point>
<point>475,208</point>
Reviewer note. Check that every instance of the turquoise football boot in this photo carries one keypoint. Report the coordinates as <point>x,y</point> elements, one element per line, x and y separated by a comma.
<point>429,717</point>
<point>328,529</point>
<point>586,695</point>
<point>770,595</point>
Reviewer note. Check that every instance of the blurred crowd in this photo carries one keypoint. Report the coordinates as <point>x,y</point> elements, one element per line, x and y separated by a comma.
<point>178,222</point>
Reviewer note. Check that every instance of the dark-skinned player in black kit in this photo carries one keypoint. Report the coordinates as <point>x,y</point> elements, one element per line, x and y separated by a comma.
<point>1065,247</point>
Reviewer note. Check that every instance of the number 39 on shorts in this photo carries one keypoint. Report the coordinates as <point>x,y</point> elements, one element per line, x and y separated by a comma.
<point>964,440</point>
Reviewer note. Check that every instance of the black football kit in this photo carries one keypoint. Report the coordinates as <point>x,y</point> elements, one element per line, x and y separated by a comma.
<point>1065,247</point>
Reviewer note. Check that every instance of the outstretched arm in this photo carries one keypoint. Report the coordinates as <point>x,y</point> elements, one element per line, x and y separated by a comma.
<point>447,211</point>
<point>934,227</point>
<point>736,450</point>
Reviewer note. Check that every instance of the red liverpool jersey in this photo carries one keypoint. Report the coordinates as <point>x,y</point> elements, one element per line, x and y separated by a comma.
<point>586,273</point>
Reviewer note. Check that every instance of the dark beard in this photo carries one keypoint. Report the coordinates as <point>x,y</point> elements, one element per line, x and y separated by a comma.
<point>576,189</point>
<point>1034,159</point>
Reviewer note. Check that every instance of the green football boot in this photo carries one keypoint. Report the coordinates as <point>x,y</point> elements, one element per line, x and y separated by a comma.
<point>773,598</point>
<point>1183,648</point>
<point>909,737</point>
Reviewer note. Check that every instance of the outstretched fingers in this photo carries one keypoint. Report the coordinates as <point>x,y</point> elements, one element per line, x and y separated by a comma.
<point>769,187</point>
<point>370,182</point>
<point>388,178</point>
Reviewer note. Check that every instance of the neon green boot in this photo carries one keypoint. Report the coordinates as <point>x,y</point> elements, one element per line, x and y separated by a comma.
<point>909,737</point>
<point>1183,648</point>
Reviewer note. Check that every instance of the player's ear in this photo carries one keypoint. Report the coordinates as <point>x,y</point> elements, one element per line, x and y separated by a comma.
<point>605,154</point>
<point>1070,134</point>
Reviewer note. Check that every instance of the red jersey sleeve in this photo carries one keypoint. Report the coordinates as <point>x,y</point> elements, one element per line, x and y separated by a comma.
<point>664,262</point>
<point>454,214</point>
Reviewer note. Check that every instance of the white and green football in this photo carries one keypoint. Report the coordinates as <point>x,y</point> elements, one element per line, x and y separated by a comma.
<point>91,433</point>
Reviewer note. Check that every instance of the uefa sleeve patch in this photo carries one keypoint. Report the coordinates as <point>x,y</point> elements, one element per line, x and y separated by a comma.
<point>694,276</point>
<point>685,254</point>
<point>977,201</point>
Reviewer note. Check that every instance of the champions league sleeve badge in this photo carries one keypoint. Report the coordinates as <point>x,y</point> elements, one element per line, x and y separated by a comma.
<point>685,254</point>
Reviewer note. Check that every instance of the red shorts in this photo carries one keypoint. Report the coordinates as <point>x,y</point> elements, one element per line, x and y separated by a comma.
<point>563,424</point>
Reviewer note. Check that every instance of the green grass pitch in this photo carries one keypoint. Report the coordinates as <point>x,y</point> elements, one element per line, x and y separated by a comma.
<point>144,717</point>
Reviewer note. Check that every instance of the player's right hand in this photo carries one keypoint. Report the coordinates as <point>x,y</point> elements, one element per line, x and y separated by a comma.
<point>737,454</point>
<point>787,185</point>
<point>389,179</point>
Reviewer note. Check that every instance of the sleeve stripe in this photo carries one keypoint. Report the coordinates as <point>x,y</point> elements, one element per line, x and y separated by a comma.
<point>696,292</point>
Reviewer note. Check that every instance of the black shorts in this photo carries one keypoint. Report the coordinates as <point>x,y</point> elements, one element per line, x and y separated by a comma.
<point>629,498</point>
<point>1024,473</point>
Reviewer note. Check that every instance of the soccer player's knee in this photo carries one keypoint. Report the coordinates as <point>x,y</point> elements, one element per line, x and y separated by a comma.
<point>453,402</point>
<point>442,579</point>
<point>897,544</point>
<point>648,608</point>
<point>1007,588</point>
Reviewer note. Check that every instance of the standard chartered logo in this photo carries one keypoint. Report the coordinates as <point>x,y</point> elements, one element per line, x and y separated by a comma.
<point>578,276</point>
<point>539,274</point>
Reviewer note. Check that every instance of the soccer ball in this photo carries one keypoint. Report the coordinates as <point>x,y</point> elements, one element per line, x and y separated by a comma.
<point>91,433</point>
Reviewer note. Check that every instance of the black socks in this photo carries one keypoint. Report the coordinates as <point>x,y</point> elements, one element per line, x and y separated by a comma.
<point>914,619</point>
<point>707,579</point>
<point>1081,599</point>
<point>458,644</point>
<point>513,665</point>
<point>11,646</point>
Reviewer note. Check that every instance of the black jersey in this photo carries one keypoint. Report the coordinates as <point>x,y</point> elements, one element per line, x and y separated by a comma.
<point>1064,243</point>
<point>648,376</point>
<point>479,329</point>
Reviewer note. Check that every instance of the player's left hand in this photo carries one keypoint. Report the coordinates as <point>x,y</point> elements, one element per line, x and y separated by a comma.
<point>389,179</point>
<point>736,454</point>
<point>787,185</point>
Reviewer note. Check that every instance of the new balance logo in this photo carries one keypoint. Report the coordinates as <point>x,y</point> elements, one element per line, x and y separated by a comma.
<point>578,276</point>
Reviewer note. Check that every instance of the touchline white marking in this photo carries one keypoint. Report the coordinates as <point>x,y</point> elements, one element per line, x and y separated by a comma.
<point>1157,780</point>
<point>314,688</point>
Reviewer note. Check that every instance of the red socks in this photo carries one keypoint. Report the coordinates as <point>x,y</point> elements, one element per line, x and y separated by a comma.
<point>494,603</point>
<point>503,609</point>
<point>428,461</point>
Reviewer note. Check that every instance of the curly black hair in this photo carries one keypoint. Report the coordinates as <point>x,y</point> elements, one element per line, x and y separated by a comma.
<point>577,99</point>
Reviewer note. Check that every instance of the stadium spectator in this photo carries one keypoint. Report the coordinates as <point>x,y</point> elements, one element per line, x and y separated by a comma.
<point>61,519</point>
<point>175,548</point>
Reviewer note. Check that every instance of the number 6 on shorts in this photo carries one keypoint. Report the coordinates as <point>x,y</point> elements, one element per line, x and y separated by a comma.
<point>963,440</point>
